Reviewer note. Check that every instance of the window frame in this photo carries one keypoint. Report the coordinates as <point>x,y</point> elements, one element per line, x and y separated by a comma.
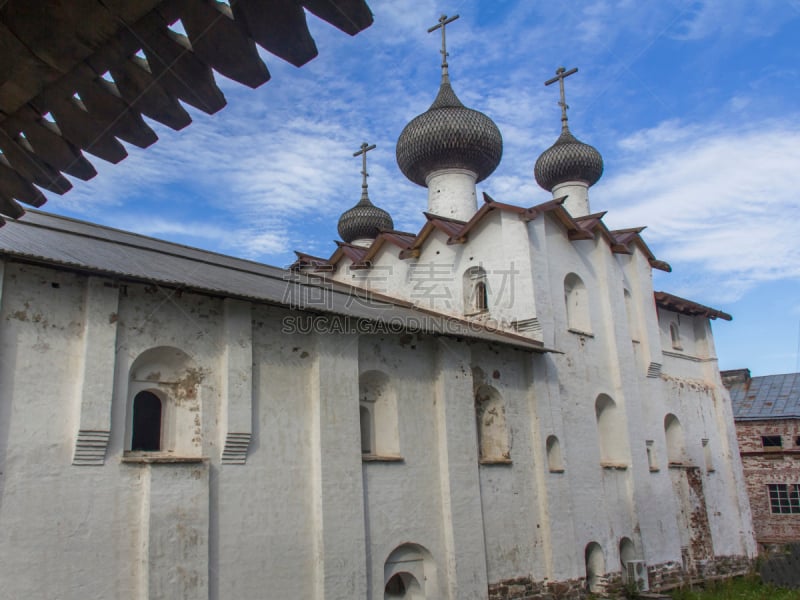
<point>784,498</point>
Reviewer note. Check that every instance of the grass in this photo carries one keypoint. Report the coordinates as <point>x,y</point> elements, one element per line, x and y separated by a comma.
<point>740,588</point>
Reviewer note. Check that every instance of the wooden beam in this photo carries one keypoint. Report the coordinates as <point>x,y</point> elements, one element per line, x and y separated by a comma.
<point>83,130</point>
<point>22,74</point>
<point>351,16</point>
<point>60,33</point>
<point>279,27</point>
<point>179,70</point>
<point>104,103</point>
<point>221,43</point>
<point>139,88</point>
<point>10,208</point>
<point>31,167</point>
<point>12,184</point>
<point>47,142</point>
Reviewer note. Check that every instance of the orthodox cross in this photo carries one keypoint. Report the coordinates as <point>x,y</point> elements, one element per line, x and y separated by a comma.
<point>363,153</point>
<point>561,74</point>
<point>443,20</point>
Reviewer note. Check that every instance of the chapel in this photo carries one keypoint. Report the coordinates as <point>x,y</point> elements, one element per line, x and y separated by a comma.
<point>496,406</point>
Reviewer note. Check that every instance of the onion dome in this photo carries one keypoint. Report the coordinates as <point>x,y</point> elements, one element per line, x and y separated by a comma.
<point>568,159</point>
<point>449,136</point>
<point>364,220</point>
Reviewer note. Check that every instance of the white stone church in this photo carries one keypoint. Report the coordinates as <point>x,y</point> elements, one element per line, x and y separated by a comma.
<point>496,406</point>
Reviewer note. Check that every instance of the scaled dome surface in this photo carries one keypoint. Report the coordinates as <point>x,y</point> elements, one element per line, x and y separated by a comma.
<point>568,159</point>
<point>449,136</point>
<point>363,221</point>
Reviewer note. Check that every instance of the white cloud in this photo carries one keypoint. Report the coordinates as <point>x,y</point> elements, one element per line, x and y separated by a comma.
<point>720,199</point>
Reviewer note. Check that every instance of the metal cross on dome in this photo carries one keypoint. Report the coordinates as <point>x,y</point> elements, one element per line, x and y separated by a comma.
<point>365,147</point>
<point>443,20</point>
<point>561,74</point>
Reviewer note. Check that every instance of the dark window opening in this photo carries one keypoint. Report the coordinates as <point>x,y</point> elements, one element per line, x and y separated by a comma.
<point>771,441</point>
<point>395,586</point>
<point>784,499</point>
<point>366,430</point>
<point>797,441</point>
<point>146,422</point>
<point>481,297</point>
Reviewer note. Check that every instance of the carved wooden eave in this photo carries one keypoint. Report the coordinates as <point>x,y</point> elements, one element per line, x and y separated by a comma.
<point>77,75</point>
<point>691,308</point>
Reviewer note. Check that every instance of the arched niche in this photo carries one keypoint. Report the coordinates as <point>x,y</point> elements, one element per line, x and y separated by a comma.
<point>555,463</point>
<point>611,430</point>
<point>409,572</point>
<point>378,415</point>
<point>595,568</point>
<point>475,291</point>
<point>171,376</point>
<point>631,315</point>
<point>627,552</point>
<point>490,412</point>
<point>676,448</point>
<point>576,299</point>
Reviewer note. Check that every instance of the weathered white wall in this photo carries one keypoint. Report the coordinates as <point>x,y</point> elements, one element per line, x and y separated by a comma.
<point>262,487</point>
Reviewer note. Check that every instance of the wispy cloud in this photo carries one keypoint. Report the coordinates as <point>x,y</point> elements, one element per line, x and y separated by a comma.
<point>718,198</point>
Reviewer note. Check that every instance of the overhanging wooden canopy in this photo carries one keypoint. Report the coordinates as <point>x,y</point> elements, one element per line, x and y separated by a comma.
<point>77,75</point>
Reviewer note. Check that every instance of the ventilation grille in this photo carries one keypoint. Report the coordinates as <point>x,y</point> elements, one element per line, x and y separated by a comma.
<point>90,448</point>
<point>236,446</point>
<point>654,370</point>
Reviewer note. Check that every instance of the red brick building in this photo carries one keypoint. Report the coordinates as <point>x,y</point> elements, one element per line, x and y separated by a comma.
<point>767,415</point>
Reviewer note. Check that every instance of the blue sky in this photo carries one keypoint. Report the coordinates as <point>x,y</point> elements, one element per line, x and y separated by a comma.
<point>694,106</point>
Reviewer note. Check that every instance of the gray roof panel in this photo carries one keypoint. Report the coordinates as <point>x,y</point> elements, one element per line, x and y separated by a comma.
<point>767,397</point>
<point>60,241</point>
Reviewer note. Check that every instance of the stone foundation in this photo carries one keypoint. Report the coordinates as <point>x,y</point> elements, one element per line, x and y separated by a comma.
<point>661,577</point>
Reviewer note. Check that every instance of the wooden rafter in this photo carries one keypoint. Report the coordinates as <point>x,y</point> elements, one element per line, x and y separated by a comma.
<point>76,76</point>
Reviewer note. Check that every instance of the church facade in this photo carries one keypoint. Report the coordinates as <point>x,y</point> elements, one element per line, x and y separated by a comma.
<point>496,406</point>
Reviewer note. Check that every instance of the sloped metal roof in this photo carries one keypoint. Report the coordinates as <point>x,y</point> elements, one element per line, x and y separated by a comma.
<point>52,240</point>
<point>766,397</point>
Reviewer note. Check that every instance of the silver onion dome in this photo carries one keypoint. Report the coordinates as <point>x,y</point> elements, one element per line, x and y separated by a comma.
<point>568,159</point>
<point>364,221</point>
<point>449,136</point>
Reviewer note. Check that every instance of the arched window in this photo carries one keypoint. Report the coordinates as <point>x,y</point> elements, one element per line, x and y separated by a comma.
<point>164,411</point>
<point>673,431</point>
<point>146,435</point>
<point>476,291</point>
<point>554,462</point>
<point>595,568</point>
<point>576,299</point>
<point>627,552</point>
<point>492,432</point>
<point>675,336</point>
<point>630,312</point>
<point>611,431</point>
<point>409,572</point>
<point>367,429</point>
<point>378,413</point>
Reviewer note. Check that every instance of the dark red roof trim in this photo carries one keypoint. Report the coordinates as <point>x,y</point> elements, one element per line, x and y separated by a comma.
<point>688,307</point>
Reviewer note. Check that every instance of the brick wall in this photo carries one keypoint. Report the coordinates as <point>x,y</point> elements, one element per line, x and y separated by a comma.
<point>662,576</point>
<point>762,467</point>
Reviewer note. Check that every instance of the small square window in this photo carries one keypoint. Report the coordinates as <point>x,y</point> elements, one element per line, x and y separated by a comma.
<point>784,499</point>
<point>797,441</point>
<point>771,442</point>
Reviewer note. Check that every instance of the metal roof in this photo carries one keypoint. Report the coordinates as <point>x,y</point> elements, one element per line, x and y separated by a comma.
<point>767,397</point>
<point>53,240</point>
